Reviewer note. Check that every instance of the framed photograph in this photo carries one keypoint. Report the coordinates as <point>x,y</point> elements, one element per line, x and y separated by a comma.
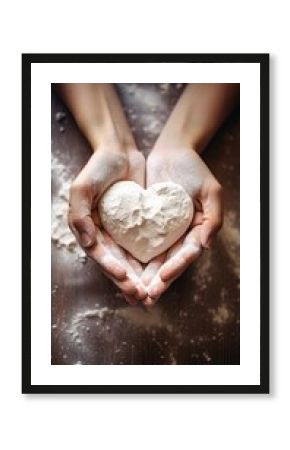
<point>145,223</point>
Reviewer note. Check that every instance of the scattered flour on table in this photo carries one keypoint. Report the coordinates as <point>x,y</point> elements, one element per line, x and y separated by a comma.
<point>140,317</point>
<point>79,318</point>
<point>230,235</point>
<point>137,317</point>
<point>61,234</point>
<point>202,275</point>
<point>221,315</point>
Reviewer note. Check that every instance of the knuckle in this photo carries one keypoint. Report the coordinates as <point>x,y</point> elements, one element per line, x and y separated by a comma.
<point>187,259</point>
<point>78,187</point>
<point>76,221</point>
<point>73,220</point>
<point>129,290</point>
<point>217,224</point>
<point>218,189</point>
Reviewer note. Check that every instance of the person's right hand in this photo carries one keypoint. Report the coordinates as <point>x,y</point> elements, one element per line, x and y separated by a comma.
<point>105,167</point>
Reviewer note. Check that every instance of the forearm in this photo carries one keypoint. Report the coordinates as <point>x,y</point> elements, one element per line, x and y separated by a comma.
<point>198,114</point>
<point>98,113</point>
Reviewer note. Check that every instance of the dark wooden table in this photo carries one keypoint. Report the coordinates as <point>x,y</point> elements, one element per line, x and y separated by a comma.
<point>197,320</point>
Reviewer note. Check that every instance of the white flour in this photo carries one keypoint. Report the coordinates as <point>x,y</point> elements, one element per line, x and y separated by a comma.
<point>61,235</point>
<point>230,235</point>
<point>146,222</point>
<point>146,102</point>
<point>137,317</point>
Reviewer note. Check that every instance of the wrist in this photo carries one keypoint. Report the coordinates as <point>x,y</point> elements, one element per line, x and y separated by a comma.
<point>174,141</point>
<point>111,140</point>
<point>99,114</point>
<point>111,134</point>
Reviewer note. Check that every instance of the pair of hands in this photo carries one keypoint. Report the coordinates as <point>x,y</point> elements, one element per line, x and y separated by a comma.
<point>107,166</point>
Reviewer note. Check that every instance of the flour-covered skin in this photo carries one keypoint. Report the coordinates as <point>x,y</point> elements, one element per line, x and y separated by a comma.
<point>184,166</point>
<point>102,170</point>
<point>132,286</point>
<point>191,125</point>
<point>145,222</point>
<point>196,117</point>
<point>178,166</point>
<point>98,112</point>
<point>175,261</point>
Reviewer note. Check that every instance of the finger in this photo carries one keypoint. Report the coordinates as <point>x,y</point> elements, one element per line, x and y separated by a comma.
<point>131,300</point>
<point>110,264</point>
<point>95,217</point>
<point>152,269</point>
<point>158,283</point>
<point>152,279</point>
<point>127,260</point>
<point>198,218</point>
<point>212,207</point>
<point>120,258</point>
<point>107,262</point>
<point>149,301</point>
<point>156,288</point>
<point>179,262</point>
<point>124,283</point>
<point>136,265</point>
<point>141,292</point>
<point>127,286</point>
<point>180,256</point>
<point>84,230</point>
<point>117,251</point>
<point>79,217</point>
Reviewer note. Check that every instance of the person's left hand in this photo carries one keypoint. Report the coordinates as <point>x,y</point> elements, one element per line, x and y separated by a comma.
<point>185,167</point>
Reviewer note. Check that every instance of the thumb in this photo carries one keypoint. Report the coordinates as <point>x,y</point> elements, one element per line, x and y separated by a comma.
<point>84,228</point>
<point>80,220</point>
<point>212,220</point>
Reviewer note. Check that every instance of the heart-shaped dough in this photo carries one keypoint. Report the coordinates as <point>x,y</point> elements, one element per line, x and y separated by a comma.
<point>145,222</point>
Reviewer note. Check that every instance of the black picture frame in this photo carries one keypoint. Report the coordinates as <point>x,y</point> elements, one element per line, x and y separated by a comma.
<point>263,61</point>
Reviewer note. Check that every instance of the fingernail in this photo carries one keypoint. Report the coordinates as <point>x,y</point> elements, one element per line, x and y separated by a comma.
<point>148,301</point>
<point>86,240</point>
<point>121,273</point>
<point>141,292</point>
<point>153,292</point>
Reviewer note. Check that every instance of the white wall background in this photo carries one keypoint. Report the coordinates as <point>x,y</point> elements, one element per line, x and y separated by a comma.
<point>202,422</point>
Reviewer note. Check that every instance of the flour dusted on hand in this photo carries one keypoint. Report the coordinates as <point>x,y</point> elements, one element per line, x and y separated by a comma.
<point>145,222</point>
